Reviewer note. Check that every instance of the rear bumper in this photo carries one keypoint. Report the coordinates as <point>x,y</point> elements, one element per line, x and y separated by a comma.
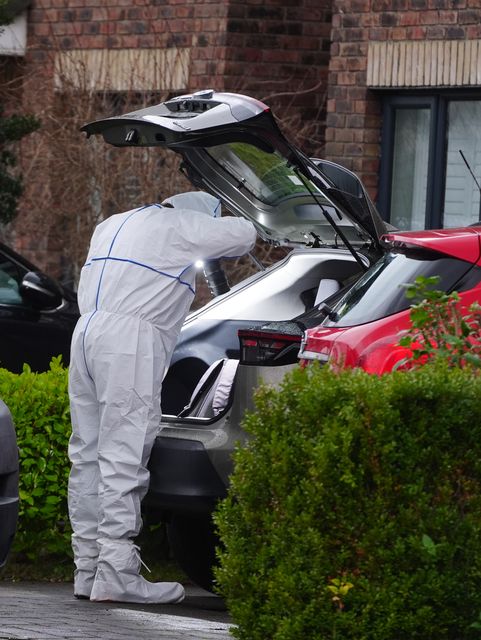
<point>191,460</point>
<point>182,479</point>
<point>8,518</point>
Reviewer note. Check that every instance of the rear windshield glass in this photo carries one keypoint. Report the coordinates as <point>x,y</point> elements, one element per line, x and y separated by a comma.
<point>266,175</point>
<point>381,291</point>
<point>288,205</point>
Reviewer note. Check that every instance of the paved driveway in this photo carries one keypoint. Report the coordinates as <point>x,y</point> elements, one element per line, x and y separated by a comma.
<point>43,611</point>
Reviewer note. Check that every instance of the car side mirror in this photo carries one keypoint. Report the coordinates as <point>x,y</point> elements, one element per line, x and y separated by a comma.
<point>41,291</point>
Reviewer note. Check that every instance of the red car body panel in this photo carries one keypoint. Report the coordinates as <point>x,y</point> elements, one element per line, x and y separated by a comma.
<point>374,346</point>
<point>462,243</point>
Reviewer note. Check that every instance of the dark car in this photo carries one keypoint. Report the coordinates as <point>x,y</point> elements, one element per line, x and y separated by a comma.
<point>37,315</point>
<point>37,318</point>
<point>8,482</point>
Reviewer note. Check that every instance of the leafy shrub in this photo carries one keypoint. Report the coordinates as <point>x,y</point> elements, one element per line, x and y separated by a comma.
<point>39,405</point>
<point>40,410</point>
<point>354,511</point>
<point>440,328</point>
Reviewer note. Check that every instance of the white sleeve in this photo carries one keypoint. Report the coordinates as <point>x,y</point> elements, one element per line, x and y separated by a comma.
<point>227,237</point>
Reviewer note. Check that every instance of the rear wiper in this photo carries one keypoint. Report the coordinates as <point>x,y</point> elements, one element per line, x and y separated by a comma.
<point>328,311</point>
<point>311,318</point>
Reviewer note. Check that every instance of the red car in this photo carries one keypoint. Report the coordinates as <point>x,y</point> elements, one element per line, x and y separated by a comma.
<point>362,327</point>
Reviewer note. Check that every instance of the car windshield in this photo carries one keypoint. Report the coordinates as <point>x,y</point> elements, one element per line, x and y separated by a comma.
<point>381,291</point>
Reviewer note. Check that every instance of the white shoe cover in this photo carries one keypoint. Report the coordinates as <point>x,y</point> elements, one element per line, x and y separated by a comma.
<point>118,577</point>
<point>85,557</point>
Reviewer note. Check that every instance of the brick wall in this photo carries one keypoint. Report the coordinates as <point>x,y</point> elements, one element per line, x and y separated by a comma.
<point>354,117</point>
<point>91,24</point>
<point>275,47</point>
<point>277,50</point>
<point>57,26</point>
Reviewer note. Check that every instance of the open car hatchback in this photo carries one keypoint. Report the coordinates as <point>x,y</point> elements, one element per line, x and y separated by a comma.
<point>232,147</point>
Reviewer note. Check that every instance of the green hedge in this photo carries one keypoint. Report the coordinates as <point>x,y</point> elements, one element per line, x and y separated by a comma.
<point>355,510</point>
<point>40,409</point>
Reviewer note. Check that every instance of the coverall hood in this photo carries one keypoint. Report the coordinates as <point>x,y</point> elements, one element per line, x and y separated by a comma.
<point>196,200</point>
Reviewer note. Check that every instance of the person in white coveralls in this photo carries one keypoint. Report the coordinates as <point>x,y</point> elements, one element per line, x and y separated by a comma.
<point>135,290</point>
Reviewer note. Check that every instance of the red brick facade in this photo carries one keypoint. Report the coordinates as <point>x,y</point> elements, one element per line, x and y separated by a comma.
<point>276,49</point>
<point>308,55</point>
<point>354,111</point>
<point>278,46</point>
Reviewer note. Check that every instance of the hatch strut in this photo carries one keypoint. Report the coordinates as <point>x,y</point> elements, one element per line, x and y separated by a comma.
<point>331,221</point>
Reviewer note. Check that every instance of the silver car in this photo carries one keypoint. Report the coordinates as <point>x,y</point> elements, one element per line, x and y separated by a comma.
<point>232,147</point>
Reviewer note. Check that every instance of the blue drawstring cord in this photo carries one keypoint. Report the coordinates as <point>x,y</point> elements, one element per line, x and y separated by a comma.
<point>146,266</point>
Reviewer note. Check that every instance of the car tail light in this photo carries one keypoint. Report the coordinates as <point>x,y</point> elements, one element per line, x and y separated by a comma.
<point>306,354</point>
<point>268,348</point>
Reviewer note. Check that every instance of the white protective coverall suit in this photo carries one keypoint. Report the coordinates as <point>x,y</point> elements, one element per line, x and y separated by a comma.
<point>134,293</point>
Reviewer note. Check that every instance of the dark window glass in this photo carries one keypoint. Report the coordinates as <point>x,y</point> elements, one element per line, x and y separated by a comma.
<point>10,279</point>
<point>461,193</point>
<point>380,292</point>
<point>410,168</point>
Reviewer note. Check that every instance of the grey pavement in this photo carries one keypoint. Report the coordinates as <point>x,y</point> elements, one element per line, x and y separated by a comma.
<point>41,611</point>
